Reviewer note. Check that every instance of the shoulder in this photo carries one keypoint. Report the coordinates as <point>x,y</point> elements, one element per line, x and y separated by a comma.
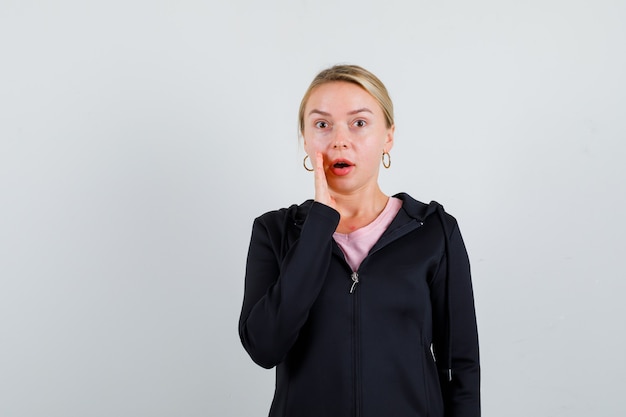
<point>289,222</point>
<point>295,213</point>
<point>282,227</point>
<point>420,210</point>
<point>290,211</point>
<point>427,212</point>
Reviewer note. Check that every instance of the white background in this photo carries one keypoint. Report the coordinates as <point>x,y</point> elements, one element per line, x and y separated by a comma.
<point>139,139</point>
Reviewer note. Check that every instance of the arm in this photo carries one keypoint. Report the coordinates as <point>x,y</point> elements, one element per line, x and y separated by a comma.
<point>461,393</point>
<point>280,292</point>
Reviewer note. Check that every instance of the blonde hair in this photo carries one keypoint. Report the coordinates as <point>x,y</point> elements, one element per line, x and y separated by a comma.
<point>352,74</point>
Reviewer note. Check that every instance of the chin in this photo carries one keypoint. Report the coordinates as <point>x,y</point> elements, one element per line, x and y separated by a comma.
<point>343,187</point>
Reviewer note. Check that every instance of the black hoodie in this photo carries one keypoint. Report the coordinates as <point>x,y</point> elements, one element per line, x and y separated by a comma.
<point>400,342</point>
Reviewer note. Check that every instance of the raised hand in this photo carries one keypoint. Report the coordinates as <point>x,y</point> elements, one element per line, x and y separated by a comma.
<point>322,193</point>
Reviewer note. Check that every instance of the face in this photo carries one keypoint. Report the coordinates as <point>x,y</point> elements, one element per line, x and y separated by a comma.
<point>347,125</point>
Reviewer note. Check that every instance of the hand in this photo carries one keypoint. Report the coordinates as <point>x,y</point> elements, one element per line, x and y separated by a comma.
<point>322,194</point>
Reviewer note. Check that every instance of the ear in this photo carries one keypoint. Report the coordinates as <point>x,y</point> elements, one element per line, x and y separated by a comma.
<point>389,139</point>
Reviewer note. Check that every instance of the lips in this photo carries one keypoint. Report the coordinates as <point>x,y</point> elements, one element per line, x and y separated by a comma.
<point>341,167</point>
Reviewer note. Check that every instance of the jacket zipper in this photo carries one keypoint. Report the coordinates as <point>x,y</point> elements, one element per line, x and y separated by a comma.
<point>355,280</point>
<point>356,345</point>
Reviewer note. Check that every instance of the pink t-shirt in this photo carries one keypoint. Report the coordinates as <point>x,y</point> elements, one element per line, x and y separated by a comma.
<point>356,245</point>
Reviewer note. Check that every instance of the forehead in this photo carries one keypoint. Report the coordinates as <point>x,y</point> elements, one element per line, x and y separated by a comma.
<point>341,96</point>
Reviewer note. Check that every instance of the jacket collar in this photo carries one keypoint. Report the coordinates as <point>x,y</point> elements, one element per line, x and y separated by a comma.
<point>416,209</point>
<point>413,208</point>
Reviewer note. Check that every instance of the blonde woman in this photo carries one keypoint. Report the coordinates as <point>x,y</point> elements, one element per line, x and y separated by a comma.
<point>362,301</point>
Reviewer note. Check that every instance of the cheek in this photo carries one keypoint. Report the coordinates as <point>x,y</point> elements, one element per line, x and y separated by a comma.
<point>307,146</point>
<point>312,144</point>
<point>373,153</point>
<point>372,147</point>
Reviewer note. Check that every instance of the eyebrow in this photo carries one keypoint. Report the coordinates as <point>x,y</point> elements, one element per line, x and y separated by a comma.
<point>361,110</point>
<point>353,112</point>
<point>316,111</point>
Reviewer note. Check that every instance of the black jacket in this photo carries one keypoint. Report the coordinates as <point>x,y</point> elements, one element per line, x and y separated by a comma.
<point>402,343</point>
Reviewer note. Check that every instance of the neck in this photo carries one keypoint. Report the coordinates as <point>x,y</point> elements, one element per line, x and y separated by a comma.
<point>368,203</point>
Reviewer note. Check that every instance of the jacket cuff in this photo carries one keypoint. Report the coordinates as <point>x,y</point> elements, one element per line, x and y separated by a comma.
<point>325,218</point>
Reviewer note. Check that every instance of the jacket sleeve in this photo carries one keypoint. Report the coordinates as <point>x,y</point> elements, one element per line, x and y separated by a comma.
<point>455,343</point>
<point>280,290</point>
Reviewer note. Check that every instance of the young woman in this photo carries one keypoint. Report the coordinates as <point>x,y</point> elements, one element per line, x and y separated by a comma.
<point>363,302</point>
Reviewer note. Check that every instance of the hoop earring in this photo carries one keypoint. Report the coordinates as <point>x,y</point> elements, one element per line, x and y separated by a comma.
<point>304,164</point>
<point>386,163</point>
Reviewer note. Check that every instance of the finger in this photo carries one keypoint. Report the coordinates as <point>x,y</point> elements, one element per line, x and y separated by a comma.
<point>321,186</point>
<point>319,168</point>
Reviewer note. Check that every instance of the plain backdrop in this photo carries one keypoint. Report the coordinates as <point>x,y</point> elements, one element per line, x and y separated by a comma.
<point>139,139</point>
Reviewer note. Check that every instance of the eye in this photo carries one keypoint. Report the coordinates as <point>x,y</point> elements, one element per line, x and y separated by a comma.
<point>360,123</point>
<point>321,124</point>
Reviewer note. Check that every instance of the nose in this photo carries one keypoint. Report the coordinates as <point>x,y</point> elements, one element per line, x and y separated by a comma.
<point>340,140</point>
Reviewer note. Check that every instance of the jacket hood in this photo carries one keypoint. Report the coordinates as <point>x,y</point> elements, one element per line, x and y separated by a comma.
<point>416,209</point>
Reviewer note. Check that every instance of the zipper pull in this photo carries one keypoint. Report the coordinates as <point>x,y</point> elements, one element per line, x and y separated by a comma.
<point>355,280</point>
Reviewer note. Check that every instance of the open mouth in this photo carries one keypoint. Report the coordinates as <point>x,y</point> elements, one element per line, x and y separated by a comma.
<point>341,165</point>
